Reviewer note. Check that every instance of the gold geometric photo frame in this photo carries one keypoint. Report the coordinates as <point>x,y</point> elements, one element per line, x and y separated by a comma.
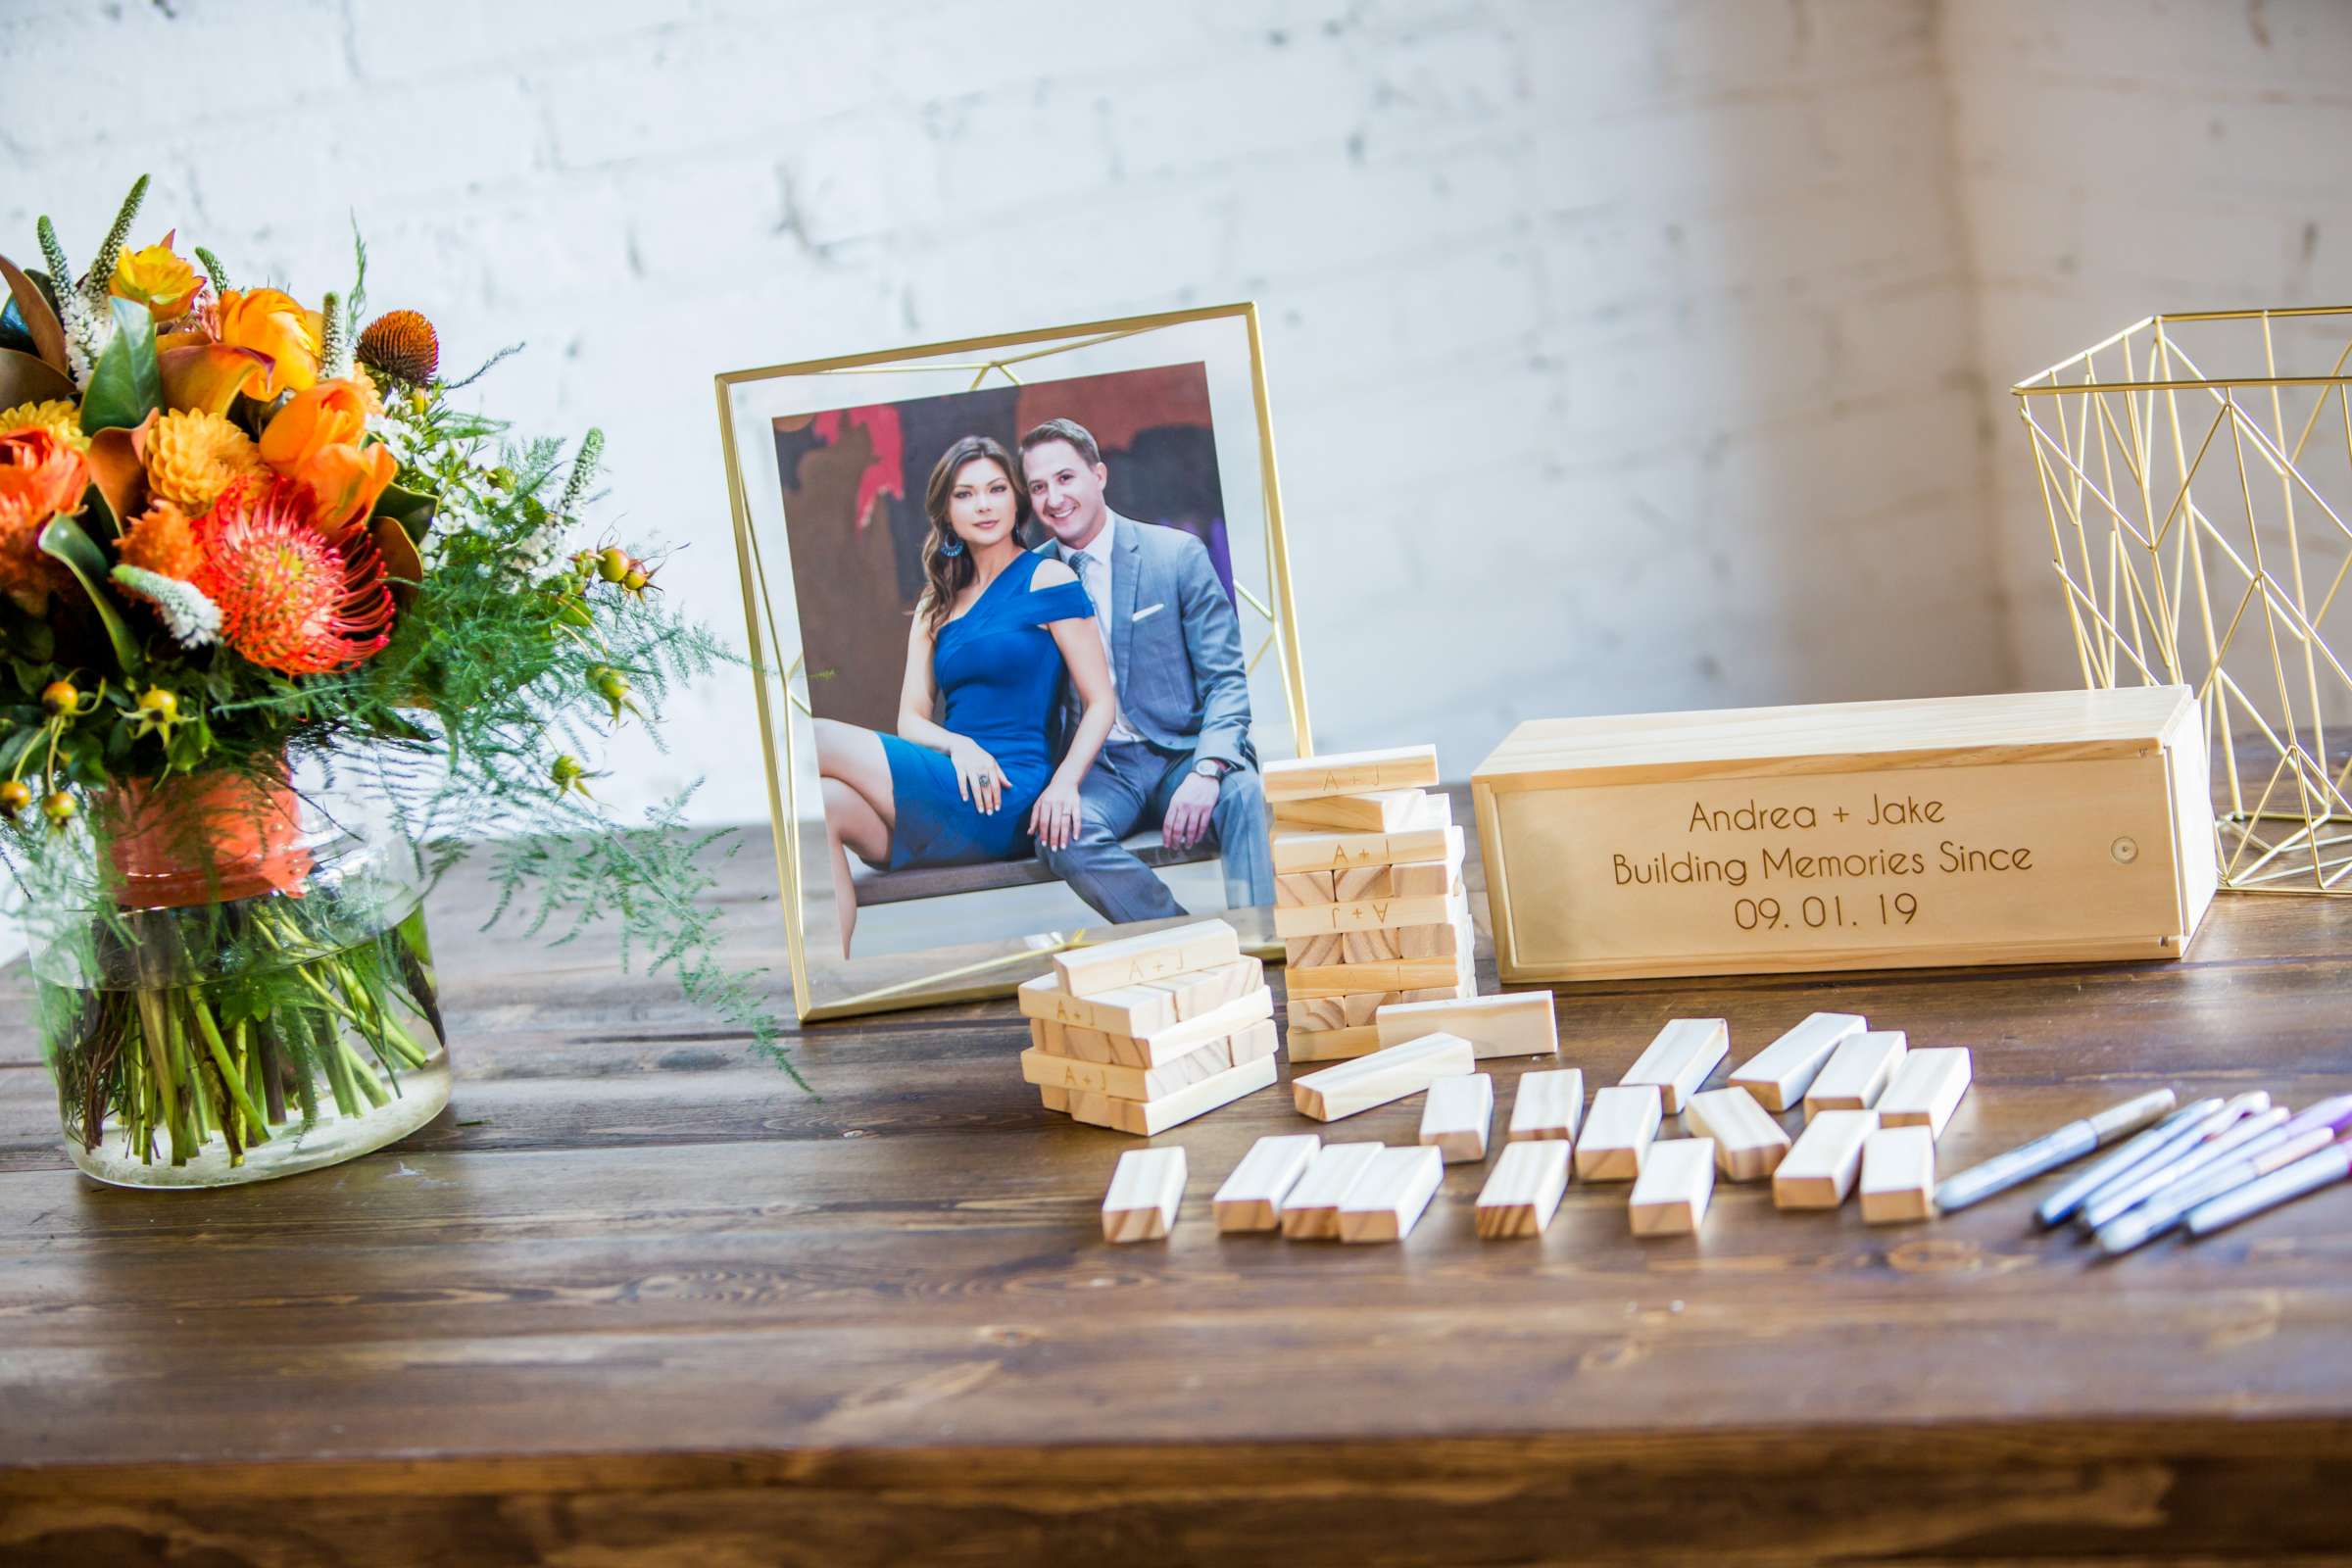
<point>1222,343</point>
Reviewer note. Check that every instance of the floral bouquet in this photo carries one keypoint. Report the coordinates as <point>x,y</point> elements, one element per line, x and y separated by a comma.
<point>243,543</point>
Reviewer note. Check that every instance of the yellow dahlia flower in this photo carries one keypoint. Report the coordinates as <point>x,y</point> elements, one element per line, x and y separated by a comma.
<point>193,456</point>
<point>57,416</point>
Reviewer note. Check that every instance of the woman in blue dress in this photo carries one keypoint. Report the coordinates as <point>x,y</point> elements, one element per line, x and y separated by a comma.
<point>971,774</point>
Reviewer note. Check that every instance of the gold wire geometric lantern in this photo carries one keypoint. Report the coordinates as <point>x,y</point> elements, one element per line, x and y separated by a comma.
<point>2193,532</point>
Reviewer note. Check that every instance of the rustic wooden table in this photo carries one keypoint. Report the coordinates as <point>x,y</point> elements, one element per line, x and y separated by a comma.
<point>636,1298</point>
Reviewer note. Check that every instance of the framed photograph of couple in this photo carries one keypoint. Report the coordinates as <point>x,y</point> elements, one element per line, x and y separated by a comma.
<point>1019,612</point>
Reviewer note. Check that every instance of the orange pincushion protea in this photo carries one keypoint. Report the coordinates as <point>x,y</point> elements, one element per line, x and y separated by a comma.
<point>290,600</point>
<point>161,540</point>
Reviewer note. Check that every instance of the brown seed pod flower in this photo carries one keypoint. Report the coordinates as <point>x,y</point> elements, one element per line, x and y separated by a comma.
<point>402,344</point>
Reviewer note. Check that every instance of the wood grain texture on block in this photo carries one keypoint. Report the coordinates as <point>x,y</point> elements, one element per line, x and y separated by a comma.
<point>1820,1167</point>
<point>1360,882</point>
<point>1388,1200</point>
<point>1857,1072</point>
<point>1147,1118</point>
<point>1779,1074</point>
<point>1311,1212</point>
<point>1617,1133</point>
<point>1126,1082</point>
<point>1127,1010</point>
<point>1510,1023</point>
<point>1155,955</point>
<point>1670,1195</point>
<point>1147,1187</point>
<point>1380,811</point>
<point>1204,990</point>
<point>1253,1040</point>
<point>1927,1088</point>
<point>1163,1046</point>
<point>1748,1142</point>
<point>1397,767</point>
<point>1458,989</point>
<point>1680,1058</point>
<point>1054,1099</point>
<point>1431,838</point>
<point>1330,1044</point>
<point>1370,947</point>
<point>1315,1013</point>
<point>1547,1106</point>
<point>1363,914</point>
<point>1311,953</point>
<point>1524,1189</point>
<point>1435,878</point>
<point>1382,974</point>
<point>1252,1198</point>
<point>1453,938</point>
<point>1459,1116</point>
<point>1083,1045</point>
<point>1388,1074</point>
<point>1898,1175</point>
<point>1296,888</point>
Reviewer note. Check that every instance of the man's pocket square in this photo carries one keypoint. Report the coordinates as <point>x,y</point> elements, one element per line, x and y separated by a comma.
<point>1147,611</point>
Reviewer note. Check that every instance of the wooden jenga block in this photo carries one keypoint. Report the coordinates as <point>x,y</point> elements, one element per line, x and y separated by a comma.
<point>1253,1040</point>
<point>1146,1189</point>
<point>1046,1035</point>
<point>1435,879</point>
<point>1680,1058</point>
<point>1128,1010</point>
<point>1383,812</point>
<point>1510,1023</point>
<point>1779,1074</point>
<point>1127,1083</point>
<point>1360,882</point>
<point>1898,1175</point>
<point>1617,1133</point>
<point>1330,1044</point>
<point>1155,955</point>
<point>1311,953</point>
<point>1296,889</point>
<point>1670,1195</point>
<point>1445,939</point>
<point>1204,990</point>
<point>1147,1118</point>
<point>1364,914</point>
<point>1253,1195</point>
<point>1459,1116</point>
<point>1388,974</point>
<point>1430,836</point>
<point>1398,767</point>
<point>1370,947</point>
<point>1749,1143</point>
<point>1927,1088</point>
<point>1163,1046</point>
<point>1311,1211</point>
<point>1054,1099</point>
<point>1820,1167</point>
<point>1083,1045</point>
<point>1385,1075</point>
<point>1524,1189</point>
<point>1857,1072</point>
<point>1386,1202</point>
<point>1547,1106</point>
<point>1316,1013</point>
<point>1359,1006</point>
<point>1460,989</point>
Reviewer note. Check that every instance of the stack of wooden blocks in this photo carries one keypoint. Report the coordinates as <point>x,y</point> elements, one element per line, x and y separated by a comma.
<point>1367,893</point>
<point>1147,1032</point>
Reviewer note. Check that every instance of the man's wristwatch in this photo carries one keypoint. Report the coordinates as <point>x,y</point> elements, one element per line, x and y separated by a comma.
<point>1212,767</point>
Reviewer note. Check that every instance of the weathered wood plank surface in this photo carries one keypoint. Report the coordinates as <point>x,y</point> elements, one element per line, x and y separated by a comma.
<point>637,1298</point>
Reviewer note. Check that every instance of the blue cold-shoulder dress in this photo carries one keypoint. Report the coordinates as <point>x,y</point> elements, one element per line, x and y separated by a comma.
<point>1000,674</point>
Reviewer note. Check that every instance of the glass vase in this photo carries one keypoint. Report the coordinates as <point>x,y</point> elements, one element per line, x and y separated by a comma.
<point>242,990</point>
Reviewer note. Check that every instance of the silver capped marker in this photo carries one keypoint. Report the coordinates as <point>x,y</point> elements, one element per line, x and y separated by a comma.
<point>2306,1175</point>
<point>2219,1142</point>
<point>2311,1129</point>
<point>2053,1149</point>
<point>2078,1188</point>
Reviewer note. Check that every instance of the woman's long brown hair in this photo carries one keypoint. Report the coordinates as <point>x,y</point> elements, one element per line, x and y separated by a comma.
<point>948,575</point>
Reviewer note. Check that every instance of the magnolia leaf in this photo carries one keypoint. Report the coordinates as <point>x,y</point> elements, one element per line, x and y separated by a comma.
<point>206,378</point>
<point>126,386</point>
<point>63,540</point>
<point>404,567</point>
<point>39,318</point>
<point>26,379</point>
<point>98,514</point>
<point>413,509</point>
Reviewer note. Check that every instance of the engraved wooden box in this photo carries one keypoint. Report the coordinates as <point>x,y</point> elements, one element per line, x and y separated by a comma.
<point>2042,828</point>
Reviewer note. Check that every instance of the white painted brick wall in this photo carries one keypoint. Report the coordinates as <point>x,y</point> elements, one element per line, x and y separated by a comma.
<point>1624,354</point>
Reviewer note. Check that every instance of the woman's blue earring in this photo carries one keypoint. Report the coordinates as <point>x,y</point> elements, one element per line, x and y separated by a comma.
<point>954,547</point>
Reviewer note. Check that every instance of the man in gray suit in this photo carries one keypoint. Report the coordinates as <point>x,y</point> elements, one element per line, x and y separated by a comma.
<point>1179,756</point>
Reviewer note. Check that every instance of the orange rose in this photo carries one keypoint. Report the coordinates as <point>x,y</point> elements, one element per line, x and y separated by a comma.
<point>316,439</point>
<point>344,483</point>
<point>156,278</point>
<point>40,477</point>
<point>268,321</point>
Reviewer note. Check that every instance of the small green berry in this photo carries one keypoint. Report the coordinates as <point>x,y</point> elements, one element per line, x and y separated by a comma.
<point>59,808</point>
<point>613,564</point>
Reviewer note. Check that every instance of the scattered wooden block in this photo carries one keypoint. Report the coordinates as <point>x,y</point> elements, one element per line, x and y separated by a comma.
<point>1431,837</point>
<point>1670,1195</point>
<point>1360,882</point>
<point>1126,1082</point>
<point>1857,1072</point>
<point>1381,812</point>
<point>1513,1024</point>
<point>1388,974</point>
<point>1523,1191</point>
<point>1927,1088</point>
<point>1146,1188</point>
<point>1399,767</point>
<point>1680,1058</point>
<point>1459,1116</point>
<point>1779,1074</point>
<point>1311,1211</point>
<point>1363,914</point>
<point>1547,1106</point>
<point>1127,1010</point>
<point>1370,947</point>
<point>1147,1118</point>
<point>1899,1174</point>
<point>1386,1075</point>
<point>1163,1046</point>
<point>1749,1143</point>
<point>1820,1167</point>
<point>1155,955</point>
<point>1617,1133</point>
<point>1388,1200</point>
<point>1331,1044</point>
<point>1253,1195</point>
<point>1295,889</point>
<point>1311,953</point>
